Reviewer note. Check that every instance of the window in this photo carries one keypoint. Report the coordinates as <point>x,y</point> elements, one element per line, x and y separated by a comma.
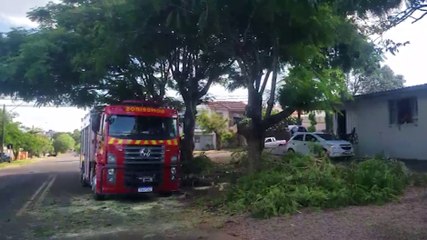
<point>327,137</point>
<point>403,110</point>
<point>141,127</point>
<point>268,140</point>
<point>310,138</point>
<point>298,137</point>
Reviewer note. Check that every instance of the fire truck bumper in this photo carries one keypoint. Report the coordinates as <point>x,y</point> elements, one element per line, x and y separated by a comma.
<point>120,180</point>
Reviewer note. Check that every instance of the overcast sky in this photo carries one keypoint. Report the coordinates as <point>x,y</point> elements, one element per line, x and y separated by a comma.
<point>409,62</point>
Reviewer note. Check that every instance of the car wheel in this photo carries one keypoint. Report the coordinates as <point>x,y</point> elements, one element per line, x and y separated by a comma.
<point>290,150</point>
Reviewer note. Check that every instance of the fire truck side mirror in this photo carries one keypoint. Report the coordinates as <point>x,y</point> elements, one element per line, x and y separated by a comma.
<point>95,121</point>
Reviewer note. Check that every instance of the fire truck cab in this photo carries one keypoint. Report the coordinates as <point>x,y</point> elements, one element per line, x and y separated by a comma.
<point>129,148</point>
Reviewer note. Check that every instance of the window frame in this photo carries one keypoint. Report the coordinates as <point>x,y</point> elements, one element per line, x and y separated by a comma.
<point>395,110</point>
<point>298,135</point>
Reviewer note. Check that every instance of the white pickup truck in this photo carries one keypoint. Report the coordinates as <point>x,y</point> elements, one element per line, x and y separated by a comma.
<point>271,142</point>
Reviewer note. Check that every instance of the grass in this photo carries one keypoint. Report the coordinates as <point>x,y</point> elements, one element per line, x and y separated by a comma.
<point>16,163</point>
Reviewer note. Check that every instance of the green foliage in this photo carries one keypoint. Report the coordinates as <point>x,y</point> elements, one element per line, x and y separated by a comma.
<point>63,142</point>
<point>212,122</point>
<point>37,144</point>
<point>362,81</point>
<point>377,180</point>
<point>197,165</point>
<point>313,122</point>
<point>216,123</point>
<point>308,90</point>
<point>28,140</point>
<point>301,181</point>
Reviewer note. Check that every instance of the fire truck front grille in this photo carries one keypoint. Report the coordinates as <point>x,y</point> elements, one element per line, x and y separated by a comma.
<point>139,175</point>
<point>144,154</point>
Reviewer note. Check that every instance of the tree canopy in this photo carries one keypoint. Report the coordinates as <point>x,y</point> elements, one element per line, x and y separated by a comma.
<point>87,52</point>
<point>380,79</point>
<point>63,142</point>
<point>213,122</point>
<point>23,138</point>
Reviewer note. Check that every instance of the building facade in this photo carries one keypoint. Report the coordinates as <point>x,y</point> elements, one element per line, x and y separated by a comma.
<point>391,123</point>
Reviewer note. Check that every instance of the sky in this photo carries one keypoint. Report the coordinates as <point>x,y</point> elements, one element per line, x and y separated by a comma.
<point>407,62</point>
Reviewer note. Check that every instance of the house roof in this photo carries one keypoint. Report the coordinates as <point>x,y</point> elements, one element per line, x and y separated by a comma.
<point>422,87</point>
<point>227,105</point>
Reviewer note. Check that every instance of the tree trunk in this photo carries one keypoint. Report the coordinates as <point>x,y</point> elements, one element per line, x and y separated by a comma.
<point>299,117</point>
<point>329,121</point>
<point>255,138</point>
<point>187,145</point>
<point>218,141</point>
<point>254,132</point>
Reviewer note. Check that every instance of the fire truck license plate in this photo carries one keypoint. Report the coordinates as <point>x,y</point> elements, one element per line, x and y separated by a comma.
<point>145,189</point>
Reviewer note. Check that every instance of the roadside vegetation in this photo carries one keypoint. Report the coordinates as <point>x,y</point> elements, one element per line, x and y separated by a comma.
<point>16,163</point>
<point>294,183</point>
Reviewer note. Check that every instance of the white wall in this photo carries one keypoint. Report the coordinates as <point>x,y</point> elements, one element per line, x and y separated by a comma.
<point>370,117</point>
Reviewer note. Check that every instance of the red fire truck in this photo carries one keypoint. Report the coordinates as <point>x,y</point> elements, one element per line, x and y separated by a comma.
<point>132,147</point>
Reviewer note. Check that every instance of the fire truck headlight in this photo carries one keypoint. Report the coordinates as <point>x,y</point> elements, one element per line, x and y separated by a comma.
<point>111,158</point>
<point>173,173</point>
<point>111,175</point>
<point>174,159</point>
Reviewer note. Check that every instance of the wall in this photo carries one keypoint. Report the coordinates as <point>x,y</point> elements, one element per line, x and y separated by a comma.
<point>370,117</point>
<point>204,141</point>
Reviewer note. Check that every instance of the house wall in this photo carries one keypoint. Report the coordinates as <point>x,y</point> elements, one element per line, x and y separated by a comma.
<point>204,141</point>
<point>376,135</point>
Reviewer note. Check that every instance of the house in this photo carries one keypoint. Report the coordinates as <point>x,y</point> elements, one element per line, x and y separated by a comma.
<point>392,123</point>
<point>230,110</point>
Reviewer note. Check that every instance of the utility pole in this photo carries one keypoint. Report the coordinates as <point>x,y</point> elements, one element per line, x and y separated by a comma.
<point>3,134</point>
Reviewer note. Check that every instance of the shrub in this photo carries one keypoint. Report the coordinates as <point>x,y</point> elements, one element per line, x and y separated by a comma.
<point>198,165</point>
<point>297,182</point>
<point>377,180</point>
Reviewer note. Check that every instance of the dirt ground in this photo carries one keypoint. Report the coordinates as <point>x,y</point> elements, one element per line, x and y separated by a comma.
<point>124,218</point>
<point>177,217</point>
<point>405,219</point>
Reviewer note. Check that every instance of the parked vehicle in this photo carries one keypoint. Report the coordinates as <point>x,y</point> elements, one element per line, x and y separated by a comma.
<point>4,157</point>
<point>271,142</point>
<point>296,128</point>
<point>333,147</point>
<point>132,147</point>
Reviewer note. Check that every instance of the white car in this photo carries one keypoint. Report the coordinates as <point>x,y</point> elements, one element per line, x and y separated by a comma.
<point>300,143</point>
<point>271,142</point>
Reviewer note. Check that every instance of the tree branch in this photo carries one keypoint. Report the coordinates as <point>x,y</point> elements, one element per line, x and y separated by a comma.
<point>264,82</point>
<point>275,67</point>
<point>274,119</point>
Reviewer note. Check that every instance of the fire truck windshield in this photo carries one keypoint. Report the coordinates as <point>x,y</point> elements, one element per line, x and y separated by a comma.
<point>142,127</point>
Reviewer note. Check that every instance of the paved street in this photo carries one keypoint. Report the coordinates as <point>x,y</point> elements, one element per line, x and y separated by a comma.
<point>24,188</point>
<point>44,200</point>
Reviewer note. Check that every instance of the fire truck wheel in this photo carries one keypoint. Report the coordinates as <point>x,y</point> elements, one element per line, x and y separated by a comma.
<point>98,197</point>
<point>83,180</point>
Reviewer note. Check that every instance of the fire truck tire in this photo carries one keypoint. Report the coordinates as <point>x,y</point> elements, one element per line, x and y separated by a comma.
<point>98,197</point>
<point>83,180</point>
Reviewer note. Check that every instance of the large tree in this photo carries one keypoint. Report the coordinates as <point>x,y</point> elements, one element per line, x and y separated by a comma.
<point>88,52</point>
<point>380,79</point>
<point>267,36</point>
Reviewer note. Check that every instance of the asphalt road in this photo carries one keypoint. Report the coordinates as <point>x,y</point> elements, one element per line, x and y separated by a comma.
<point>23,188</point>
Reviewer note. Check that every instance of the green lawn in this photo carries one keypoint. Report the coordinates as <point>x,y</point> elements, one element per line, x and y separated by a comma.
<point>16,163</point>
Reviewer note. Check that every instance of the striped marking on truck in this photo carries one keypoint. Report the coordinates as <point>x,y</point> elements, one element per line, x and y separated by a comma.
<point>173,142</point>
